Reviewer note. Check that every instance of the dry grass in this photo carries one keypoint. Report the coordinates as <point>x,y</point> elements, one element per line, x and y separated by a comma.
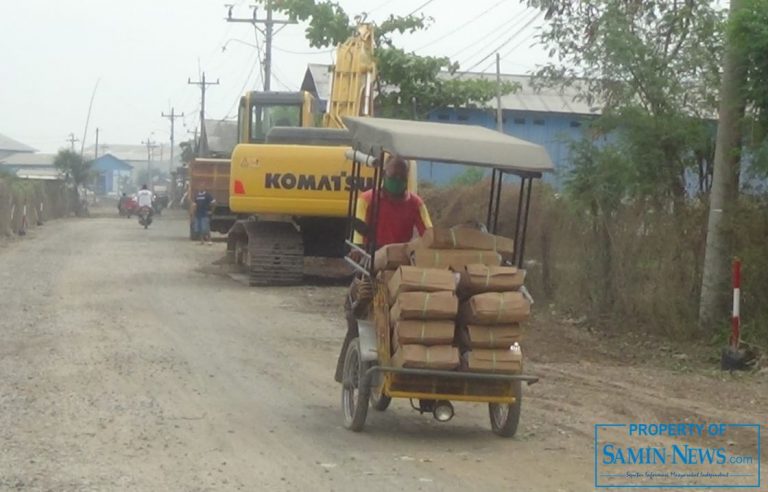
<point>44,200</point>
<point>634,269</point>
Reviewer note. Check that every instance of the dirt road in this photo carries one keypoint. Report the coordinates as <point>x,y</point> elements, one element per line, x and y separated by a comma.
<point>126,363</point>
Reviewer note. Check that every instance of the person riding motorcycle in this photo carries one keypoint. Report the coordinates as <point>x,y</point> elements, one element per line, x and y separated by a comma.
<point>144,198</point>
<point>401,214</point>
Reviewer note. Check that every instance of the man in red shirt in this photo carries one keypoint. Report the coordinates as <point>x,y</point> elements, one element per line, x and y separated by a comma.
<point>401,214</point>
<point>400,211</point>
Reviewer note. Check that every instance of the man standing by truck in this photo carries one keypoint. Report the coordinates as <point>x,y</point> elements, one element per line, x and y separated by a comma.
<point>203,202</point>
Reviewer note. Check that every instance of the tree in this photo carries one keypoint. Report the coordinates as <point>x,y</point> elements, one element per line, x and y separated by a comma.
<point>77,173</point>
<point>725,183</point>
<point>653,70</point>
<point>187,151</point>
<point>409,85</point>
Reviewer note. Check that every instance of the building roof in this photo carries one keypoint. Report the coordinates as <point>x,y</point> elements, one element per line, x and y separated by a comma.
<point>28,159</point>
<point>41,174</point>
<point>7,143</point>
<point>107,162</point>
<point>317,80</point>
<point>539,100</point>
<point>123,152</point>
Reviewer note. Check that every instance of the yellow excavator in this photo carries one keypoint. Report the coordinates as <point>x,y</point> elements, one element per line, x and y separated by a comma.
<point>289,176</point>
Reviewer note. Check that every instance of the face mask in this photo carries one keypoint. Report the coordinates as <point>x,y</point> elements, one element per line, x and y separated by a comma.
<point>395,186</point>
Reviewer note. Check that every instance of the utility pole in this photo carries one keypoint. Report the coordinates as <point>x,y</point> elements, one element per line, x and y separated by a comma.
<point>499,115</point>
<point>203,84</point>
<point>150,145</point>
<point>724,195</point>
<point>96,147</point>
<point>172,117</point>
<point>268,31</point>
<point>72,139</point>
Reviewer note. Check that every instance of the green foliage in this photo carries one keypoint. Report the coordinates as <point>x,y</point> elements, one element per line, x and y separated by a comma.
<point>653,70</point>
<point>469,177</point>
<point>600,178</point>
<point>749,31</point>
<point>73,167</point>
<point>187,151</point>
<point>409,85</point>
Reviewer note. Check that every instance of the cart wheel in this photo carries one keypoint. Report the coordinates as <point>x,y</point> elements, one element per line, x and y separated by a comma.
<point>354,396</point>
<point>379,401</point>
<point>505,417</point>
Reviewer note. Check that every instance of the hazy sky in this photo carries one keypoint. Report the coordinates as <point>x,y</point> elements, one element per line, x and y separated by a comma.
<point>53,52</point>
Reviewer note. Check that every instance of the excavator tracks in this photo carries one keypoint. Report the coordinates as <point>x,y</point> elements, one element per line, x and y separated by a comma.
<point>275,254</point>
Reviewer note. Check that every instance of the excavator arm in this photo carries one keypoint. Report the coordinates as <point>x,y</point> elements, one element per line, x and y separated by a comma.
<point>353,77</point>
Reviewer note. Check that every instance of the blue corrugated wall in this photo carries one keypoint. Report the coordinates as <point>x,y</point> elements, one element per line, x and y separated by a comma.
<point>551,130</point>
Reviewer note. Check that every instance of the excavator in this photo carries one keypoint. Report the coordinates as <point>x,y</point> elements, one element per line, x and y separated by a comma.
<point>289,175</point>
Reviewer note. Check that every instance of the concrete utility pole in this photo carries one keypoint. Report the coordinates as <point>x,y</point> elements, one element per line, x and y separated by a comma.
<point>203,85</point>
<point>150,145</point>
<point>72,139</point>
<point>724,195</point>
<point>268,31</point>
<point>499,115</point>
<point>172,117</point>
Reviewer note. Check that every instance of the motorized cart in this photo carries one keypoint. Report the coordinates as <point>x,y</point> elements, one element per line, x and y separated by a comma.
<point>370,376</point>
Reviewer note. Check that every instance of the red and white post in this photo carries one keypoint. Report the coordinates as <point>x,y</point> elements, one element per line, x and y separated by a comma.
<point>736,317</point>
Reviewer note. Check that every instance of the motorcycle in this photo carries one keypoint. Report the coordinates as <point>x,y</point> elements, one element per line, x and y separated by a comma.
<point>145,216</point>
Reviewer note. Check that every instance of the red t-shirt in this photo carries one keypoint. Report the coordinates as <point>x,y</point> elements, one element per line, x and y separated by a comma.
<point>397,217</point>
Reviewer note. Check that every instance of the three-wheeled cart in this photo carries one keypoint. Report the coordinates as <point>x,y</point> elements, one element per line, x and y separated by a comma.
<point>369,378</point>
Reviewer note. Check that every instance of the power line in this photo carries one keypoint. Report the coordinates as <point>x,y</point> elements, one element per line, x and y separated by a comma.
<point>465,24</point>
<point>420,7</point>
<point>203,86</point>
<point>256,63</point>
<point>172,118</point>
<point>72,139</point>
<point>323,52</point>
<point>507,41</point>
<point>502,29</point>
<point>269,24</point>
<point>374,9</point>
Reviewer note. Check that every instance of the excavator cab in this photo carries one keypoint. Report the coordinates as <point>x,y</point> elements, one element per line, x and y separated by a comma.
<point>259,112</point>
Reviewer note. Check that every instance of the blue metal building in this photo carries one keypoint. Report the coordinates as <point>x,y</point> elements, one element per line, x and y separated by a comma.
<point>545,116</point>
<point>109,169</point>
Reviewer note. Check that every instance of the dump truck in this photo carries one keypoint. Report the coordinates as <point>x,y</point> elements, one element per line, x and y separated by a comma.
<point>211,175</point>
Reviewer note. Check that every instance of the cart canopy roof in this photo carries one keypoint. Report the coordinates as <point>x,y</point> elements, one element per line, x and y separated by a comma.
<point>461,144</point>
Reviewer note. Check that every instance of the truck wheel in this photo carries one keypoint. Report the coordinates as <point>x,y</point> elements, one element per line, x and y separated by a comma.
<point>506,416</point>
<point>354,394</point>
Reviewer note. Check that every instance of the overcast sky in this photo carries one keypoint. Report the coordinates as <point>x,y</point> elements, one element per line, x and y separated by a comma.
<point>141,52</point>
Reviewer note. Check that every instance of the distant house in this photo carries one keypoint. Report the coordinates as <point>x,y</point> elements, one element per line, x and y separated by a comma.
<point>548,117</point>
<point>136,157</point>
<point>317,81</point>
<point>109,170</point>
<point>9,146</point>
<point>28,165</point>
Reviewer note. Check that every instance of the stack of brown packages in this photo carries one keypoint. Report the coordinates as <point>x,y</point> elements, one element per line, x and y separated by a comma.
<point>492,306</point>
<point>457,247</point>
<point>423,313</point>
<point>490,315</point>
<point>388,259</point>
